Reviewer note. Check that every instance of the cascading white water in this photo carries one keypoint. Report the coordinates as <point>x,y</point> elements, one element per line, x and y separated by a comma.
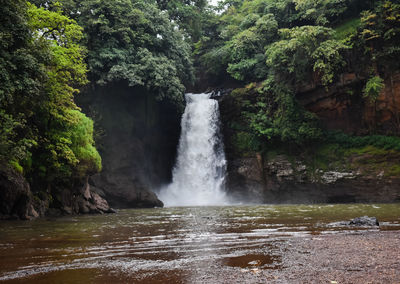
<point>198,177</point>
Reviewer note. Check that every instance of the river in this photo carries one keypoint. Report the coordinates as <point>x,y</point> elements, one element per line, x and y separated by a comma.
<point>174,245</point>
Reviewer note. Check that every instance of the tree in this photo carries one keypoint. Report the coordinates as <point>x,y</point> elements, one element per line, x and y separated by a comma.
<point>320,12</point>
<point>133,42</point>
<point>189,15</point>
<point>63,130</point>
<point>303,51</point>
<point>22,76</point>
<point>381,35</point>
<point>43,133</point>
<point>380,32</point>
<point>248,47</point>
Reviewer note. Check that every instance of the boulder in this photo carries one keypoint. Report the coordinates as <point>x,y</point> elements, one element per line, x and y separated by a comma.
<point>83,199</point>
<point>89,201</point>
<point>15,196</point>
<point>123,191</point>
<point>364,221</point>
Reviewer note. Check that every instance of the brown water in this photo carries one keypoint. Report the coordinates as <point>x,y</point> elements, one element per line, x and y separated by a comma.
<point>169,245</point>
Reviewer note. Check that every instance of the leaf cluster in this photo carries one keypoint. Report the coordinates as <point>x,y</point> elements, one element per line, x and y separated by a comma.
<point>136,43</point>
<point>43,133</point>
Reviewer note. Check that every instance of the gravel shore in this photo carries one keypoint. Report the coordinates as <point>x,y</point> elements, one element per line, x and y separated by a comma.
<point>364,257</point>
<point>356,257</point>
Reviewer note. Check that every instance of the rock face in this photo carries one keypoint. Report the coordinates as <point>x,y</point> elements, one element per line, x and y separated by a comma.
<point>138,152</point>
<point>15,196</point>
<point>18,202</point>
<point>282,181</point>
<point>83,199</point>
<point>138,148</point>
<point>246,180</point>
<point>362,177</point>
<point>342,106</point>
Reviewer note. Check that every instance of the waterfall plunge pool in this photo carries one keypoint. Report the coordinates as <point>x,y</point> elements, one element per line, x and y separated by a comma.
<point>231,244</point>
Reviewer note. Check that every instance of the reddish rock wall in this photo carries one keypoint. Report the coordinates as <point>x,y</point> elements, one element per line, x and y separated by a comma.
<point>342,106</point>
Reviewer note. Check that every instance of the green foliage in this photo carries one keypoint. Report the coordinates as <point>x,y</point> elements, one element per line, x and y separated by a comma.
<point>303,50</point>
<point>373,88</point>
<point>191,16</point>
<point>247,48</point>
<point>284,45</point>
<point>82,144</point>
<point>275,116</point>
<point>347,29</point>
<point>381,35</point>
<point>291,45</point>
<point>13,146</point>
<point>320,12</point>
<point>378,141</point>
<point>16,166</point>
<point>246,142</point>
<point>278,46</point>
<point>393,171</point>
<point>216,60</point>
<point>65,145</point>
<point>43,134</point>
<point>328,60</point>
<point>21,79</point>
<point>134,42</point>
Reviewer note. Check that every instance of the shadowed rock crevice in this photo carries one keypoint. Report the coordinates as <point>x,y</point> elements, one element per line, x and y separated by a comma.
<point>138,144</point>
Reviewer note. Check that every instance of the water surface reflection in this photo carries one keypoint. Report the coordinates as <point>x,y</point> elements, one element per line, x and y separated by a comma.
<point>175,245</point>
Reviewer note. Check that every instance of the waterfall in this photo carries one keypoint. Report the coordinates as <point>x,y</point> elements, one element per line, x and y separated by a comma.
<point>198,177</point>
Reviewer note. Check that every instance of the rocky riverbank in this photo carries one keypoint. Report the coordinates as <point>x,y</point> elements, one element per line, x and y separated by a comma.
<point>282,179</point>
<point>358,258</point>
<point>17,201</point>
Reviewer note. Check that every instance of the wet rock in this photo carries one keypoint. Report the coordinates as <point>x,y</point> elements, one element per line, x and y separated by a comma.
<point>41,205</point>
<point>285,170</point>
<point>139,145</point>
<point>334,176</point>
<point>111,210</point>
<point>67,210</point>
<point>100,203</point>
<point>93,187</point>
<point>123,191</point>
<point>54,212</point>
<point>32,212</point>
<point>91,202</point>
<point>245,179</point>
<point>83,199</point>
<point>15,196</point>
<point>83,205</point>
<point>364,221</point>
<point>86,189</point>
<point>17,201</point>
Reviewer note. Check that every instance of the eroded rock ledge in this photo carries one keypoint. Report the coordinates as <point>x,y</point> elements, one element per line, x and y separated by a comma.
<point>282,180</point>
<point>18,202</point>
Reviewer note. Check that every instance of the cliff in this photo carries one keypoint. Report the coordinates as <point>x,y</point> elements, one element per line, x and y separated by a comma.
<point>323,171</point>
<point>18,201</point>
<point>138,143</point>
<point>343,107</point>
